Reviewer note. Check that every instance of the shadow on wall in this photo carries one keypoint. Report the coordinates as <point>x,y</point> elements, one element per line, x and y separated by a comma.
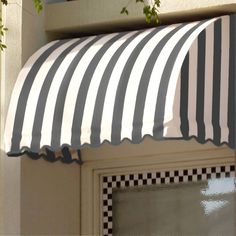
<point>55,1</point>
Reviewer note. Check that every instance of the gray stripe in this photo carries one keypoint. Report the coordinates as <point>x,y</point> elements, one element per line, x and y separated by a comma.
<point>24,94</point>
<point>58,112</point>
<point>184,98</point>
<point>232,84</point>
<point>43,96</point>
<point>99,104</point>
<point>216,84</point>
<point>201,87</point>
<point>143,86</point>
<point>162,92</point>
<point>122,86</point>
<point>83,91</point>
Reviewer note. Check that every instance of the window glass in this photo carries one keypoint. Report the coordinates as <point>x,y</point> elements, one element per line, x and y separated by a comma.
<point>200,208</point>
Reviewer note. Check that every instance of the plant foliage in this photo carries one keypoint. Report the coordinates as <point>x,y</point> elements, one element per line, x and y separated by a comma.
<point>2,31</point>
<point>150,11</point>
<point>38,5</point>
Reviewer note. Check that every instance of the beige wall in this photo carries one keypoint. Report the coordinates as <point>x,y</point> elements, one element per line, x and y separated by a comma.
<point>1,197</point>
<point>104,15</point>
<point>49,192</point>
<point>10,168</point>
<point>50,198</point>
<point>37,197</point>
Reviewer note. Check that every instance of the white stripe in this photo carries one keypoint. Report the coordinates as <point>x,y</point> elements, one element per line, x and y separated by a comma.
<point>154,83</point>
<point>171,118</point>
<point>172,126</point>
<point>208,96</point>
<point>74,86</point>
<point>53,92</point>
<point>16,93</point>
<point>192,91</point>
<point>93,88</point>
<point>35,91</point>
<point>224,83</point>
<point>134,80</point>
<point>106,124</point>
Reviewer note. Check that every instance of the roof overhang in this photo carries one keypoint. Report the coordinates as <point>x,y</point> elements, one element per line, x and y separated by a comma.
<point>103,16</point>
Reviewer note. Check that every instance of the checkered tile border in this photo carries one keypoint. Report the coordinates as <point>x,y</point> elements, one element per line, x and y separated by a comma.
<point>152,178</point>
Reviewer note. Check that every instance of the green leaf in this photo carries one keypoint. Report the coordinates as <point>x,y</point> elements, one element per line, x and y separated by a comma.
<point>146,9</point>
<point>148,18</point>
<point>38,5</point>
<point>157,20</point>
<point>157,3</point>
<point>2,46</point>
<point>150,11</point>
<point>124,11</point>
<point>4,2</point>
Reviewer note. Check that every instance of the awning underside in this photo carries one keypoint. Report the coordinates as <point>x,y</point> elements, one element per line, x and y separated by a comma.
<point>170,82</point>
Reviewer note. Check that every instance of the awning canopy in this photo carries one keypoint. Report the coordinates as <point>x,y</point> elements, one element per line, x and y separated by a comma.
<point>167,82</point>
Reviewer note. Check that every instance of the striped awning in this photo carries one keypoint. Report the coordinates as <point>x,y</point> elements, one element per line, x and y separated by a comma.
<point>168,82</point>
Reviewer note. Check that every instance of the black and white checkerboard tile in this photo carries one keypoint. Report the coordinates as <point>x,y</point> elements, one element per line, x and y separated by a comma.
<point>151,178</point>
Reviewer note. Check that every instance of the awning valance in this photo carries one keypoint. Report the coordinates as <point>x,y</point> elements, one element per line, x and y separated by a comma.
<point>174,81</point>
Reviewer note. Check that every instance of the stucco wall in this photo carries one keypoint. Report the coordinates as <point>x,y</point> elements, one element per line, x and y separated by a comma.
<point>104,15</point>
<point>37,197</point>
<point>1,186</point>
<point>10,168</point>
